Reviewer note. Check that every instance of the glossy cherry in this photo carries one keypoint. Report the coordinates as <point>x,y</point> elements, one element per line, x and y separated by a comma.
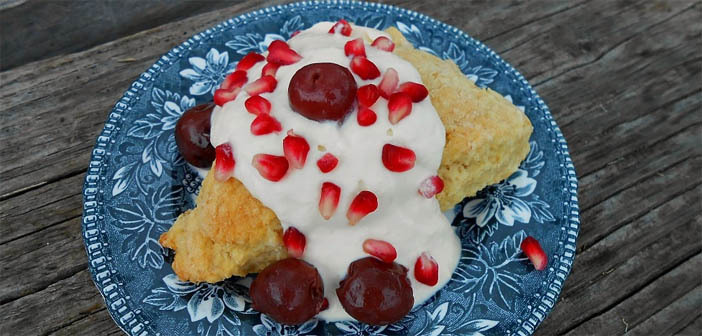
<point>376,292</point>
<point>290,291</point>
<point>192,135</point>
<point>322,91</point>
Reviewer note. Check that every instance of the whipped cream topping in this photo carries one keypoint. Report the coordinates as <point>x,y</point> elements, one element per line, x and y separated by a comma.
<point>410,222</point>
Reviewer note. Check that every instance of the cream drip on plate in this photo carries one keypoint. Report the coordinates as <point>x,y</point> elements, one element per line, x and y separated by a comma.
<point>411,223</point>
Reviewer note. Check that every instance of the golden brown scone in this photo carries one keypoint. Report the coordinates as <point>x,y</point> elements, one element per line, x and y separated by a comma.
<point>232,233</point>
<point>229,233</point>
<point>486,135</point>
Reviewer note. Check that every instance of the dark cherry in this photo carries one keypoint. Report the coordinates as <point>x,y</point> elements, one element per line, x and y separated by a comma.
<point>192,135</point>
<point>290,291</point>
<point>322,91</point>
<point>376,292</point>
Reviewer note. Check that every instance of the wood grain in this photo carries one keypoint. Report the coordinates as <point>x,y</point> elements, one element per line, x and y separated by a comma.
<point>620,77</point>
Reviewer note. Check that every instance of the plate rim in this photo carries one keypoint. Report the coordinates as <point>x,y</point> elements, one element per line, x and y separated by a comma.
<point>99,263</point>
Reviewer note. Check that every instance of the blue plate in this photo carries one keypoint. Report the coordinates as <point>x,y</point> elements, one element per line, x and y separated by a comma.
<point>137,184</point>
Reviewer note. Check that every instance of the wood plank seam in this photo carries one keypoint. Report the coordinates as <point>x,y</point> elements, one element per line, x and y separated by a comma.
<point>609,50</point>
<point>43,287</point>
<point>40,229</point>
<point>635,290</point>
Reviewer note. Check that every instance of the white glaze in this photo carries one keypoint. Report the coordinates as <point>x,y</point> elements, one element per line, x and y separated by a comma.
<point>411,223</point>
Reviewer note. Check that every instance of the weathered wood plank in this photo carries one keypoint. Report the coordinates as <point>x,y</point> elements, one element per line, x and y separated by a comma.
<point>58,305</point>
<point>669,170</point>
<point>626,261</point>
<point>679,313</point>
<point>664,301</point>
<point>692,329</point>
<point>97,323</point>
<point>40,208</point>
<point>31,263</point>
<point>39,29</point>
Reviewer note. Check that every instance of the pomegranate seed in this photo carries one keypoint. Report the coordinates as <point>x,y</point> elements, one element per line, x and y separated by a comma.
<point>295,148</point>
<point>398,159</point>
<point>355,48</point>
<point>416,91</point>
<point>531,247</point>
<point>383,43</point>
<point>269,69</point>
<point>380,249</point>
<point>364,68</point>
<point>234,79</point>
<point>366,116</point>
<point>265,124</point>
<point>426,270</point>
<point>363,204</point>
<point>294,242</point>
<point>224,162</point>
<point>327,163</point>
<point>399,106</point>
<point>230,87</point>
<point>329,199</point>
<point>342,26</point>
<point>431,186</point>
<point>261,85</point>
<point>248,61</point>
<point>367,95</point>
<point>222,96</point>
<point>258,105</point>
<point>280,52</point>
<point>294,33</point>
<point>388,84</point>
<point>325,305</point>
<point>271,167</point>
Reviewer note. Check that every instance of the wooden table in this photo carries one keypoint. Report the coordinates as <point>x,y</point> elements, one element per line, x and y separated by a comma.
<point>622,78</point>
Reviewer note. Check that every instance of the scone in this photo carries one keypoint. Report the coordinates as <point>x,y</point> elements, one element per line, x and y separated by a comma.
<point>230,232</point>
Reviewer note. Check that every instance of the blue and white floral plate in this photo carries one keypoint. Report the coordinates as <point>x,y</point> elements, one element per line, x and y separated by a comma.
<point>137,184</point>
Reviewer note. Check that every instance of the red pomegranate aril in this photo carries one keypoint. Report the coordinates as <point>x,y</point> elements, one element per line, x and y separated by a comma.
<point>248,61</point>
<point>271,167</point>
<point>426,270</point>
<point>269,69</point>
<point>367,95</point>
<point>363,204</point>
<point>235,79</point>
<point>265,124</point>
<point>532,249</point>
<point>431,186</point>
<point>261,85</point>
<point>388,84</point>
<point>257,105</point>
<point>380,249</point>
<point>383,43</point>
<point>230,87</point>
<point>294,242</point>
<point>364,68</point>
<point>329,199</point>
<point>280,52</point>
<point>399,107</point>
<point>295,148</point>
<point>327,163</point>
<point>222,96</point>
<point>325,305</point>
<point>366,117</point>
<point>355,48</point>
<point>342,26</point>
<point>224,163</point>
<point>398,159</point>
<point>416,91</point>
<point>294,33</point>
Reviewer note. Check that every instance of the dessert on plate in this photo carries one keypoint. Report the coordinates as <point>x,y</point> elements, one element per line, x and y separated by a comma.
<point>335,154</point>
